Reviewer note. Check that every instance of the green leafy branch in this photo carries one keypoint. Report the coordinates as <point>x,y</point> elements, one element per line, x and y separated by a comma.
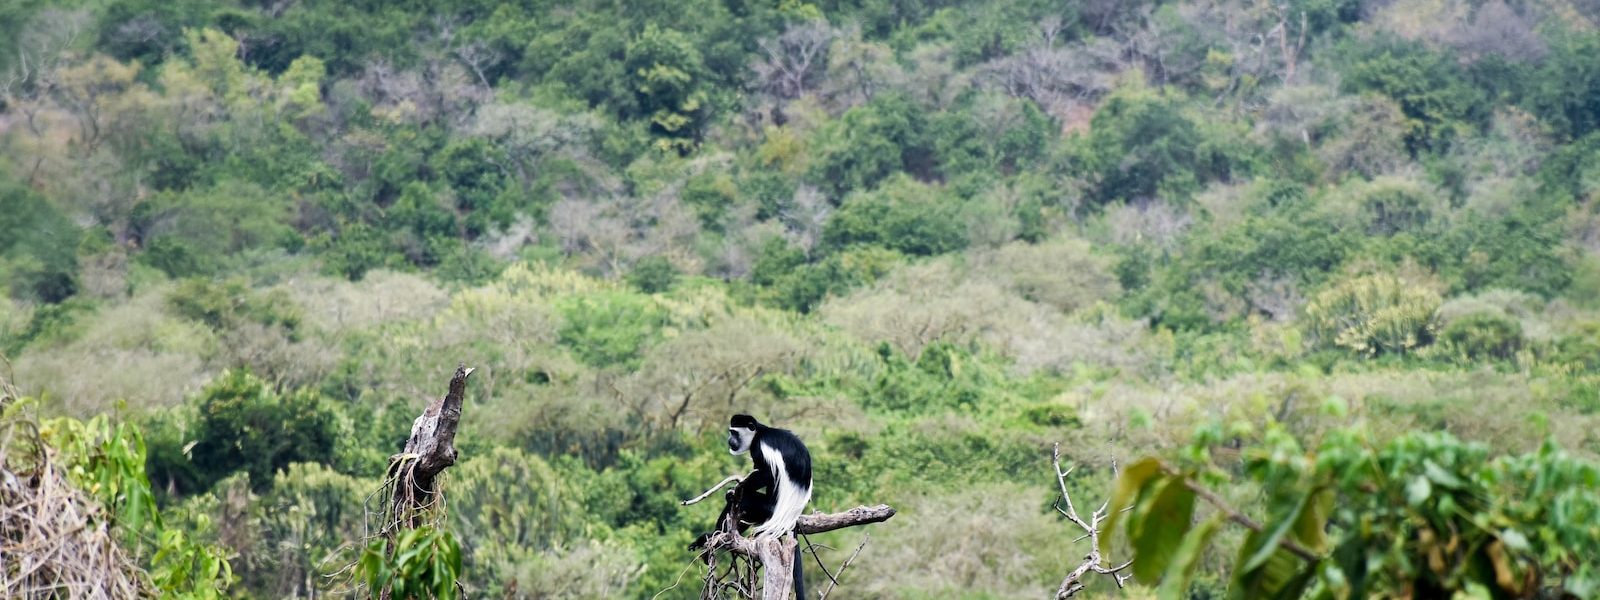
<point>1424,515</point>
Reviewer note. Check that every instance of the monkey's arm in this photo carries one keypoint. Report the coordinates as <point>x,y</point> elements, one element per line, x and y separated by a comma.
<point>745,503</point>
<point>758,479</point>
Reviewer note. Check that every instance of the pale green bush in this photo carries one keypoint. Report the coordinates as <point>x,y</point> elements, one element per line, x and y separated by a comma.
<point>311,523</point>
<point>921,304</point>
<point>1100,340</point>
<point>1527,310</point>
<point>523,531</point>
<point>699,377</point>
<point>338,304</point>
<point>134,351</point>
<point>509,497</point>
<point>940,300</point>
<point>1386,205</point>
<point>998,539</point>
<point>14,318</point>
<point>578,570</point>
<point>1375,314</point>
<point>1063,273</point>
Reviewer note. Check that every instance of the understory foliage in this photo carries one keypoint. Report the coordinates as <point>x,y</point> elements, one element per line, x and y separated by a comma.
<point>238,239</point>
<point>1424,514</point>
<point>422,563</point>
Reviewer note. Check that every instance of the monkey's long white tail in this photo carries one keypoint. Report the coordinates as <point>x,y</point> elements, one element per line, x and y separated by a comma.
<point>792,498</point>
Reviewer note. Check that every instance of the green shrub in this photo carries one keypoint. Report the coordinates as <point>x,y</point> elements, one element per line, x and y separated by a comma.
<point>1440,100</point>
<point>1375,314</point>
<point>806,286</point>
<point>904,215</point>
<point>1522,251</point>
<point>1483,335</point>
<point>868,144</point>
<point>653,275</point>
<point>610,329</point>
<point>1373,519</point>
<point>1387,205</point>
<point>1142,145</point>
<point>1581,347</point>
<point>243,424</point>
<point>1052,415</point>
<point>50,322</point>
<point>230,303</point>
<point>38,246</point>
<point>107,462</point>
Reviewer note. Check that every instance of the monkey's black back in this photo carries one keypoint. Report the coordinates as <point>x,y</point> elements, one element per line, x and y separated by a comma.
<point>796,457</point>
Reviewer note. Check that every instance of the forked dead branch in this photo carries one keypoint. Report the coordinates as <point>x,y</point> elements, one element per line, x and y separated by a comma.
<point>429,450</point>
<point>773,558</point>
<point>1093,562</point>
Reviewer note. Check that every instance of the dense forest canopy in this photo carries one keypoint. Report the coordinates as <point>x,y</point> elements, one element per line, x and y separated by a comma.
<point>930,237</point>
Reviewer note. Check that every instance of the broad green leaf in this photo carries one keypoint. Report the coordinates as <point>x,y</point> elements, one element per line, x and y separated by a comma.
<point>1281,575</point>
<point>1296,586</point>
<point>1310,527</point>
<point>1175,583</point>
<point>1133,479</point>
<point>1274,534</point>
<point>1161,528</point>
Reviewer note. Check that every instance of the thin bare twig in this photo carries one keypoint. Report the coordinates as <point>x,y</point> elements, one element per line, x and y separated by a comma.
<point>833,580</point>
<point>812,548</point>
<point>724,483</point>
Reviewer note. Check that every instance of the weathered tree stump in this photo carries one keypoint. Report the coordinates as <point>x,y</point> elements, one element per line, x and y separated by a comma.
<point>428,452</point>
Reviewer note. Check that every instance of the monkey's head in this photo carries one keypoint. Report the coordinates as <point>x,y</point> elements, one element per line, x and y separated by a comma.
<point>741,433</point>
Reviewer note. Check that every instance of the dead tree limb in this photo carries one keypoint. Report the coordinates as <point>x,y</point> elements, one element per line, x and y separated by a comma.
<point>776,555</point>
<point>1093,562</point>
<point>724,483</point>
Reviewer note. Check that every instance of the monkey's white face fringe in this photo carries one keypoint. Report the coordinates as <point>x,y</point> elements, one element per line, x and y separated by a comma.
<point>739,439</point>
<point>792,497</point>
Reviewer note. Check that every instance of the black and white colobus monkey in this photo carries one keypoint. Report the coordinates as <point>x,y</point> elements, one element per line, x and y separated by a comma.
<point>782,469</point>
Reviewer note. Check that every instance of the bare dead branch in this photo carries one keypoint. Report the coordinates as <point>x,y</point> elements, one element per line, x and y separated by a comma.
<point>724,483</point>
<point>1092,562</point>
<point>432,443</point>
<point>408,498</point>
<point>54,536</point>
<point>860,515</point>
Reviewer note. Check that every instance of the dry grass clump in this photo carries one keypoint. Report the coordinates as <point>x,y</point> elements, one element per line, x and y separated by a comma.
<point>55,540</point>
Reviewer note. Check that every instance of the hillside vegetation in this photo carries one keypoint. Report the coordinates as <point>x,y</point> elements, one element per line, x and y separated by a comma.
<point>932,237</point>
